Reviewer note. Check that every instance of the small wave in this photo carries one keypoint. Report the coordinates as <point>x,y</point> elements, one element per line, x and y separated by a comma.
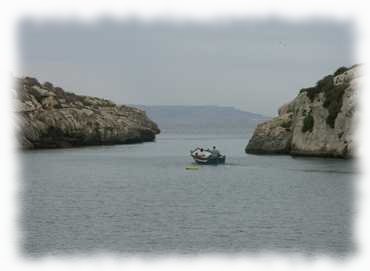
<point>325,171</point>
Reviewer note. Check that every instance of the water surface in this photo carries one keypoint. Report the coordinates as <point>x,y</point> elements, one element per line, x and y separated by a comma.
<point>141,199</point>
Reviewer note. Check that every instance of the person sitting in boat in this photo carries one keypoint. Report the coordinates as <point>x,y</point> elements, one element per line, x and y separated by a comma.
<point>215,152</point>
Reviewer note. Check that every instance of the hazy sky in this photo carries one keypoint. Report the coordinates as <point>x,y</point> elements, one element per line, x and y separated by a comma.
<point>252,65</point>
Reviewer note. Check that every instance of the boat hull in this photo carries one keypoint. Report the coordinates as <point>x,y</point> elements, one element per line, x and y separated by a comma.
<point>211,161</point>
<point>206,157</point>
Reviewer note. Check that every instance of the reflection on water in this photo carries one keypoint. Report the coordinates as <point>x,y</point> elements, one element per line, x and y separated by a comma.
<point>141,199</point>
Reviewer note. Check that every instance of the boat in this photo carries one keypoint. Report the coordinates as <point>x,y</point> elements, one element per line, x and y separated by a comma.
<point>207,157</point>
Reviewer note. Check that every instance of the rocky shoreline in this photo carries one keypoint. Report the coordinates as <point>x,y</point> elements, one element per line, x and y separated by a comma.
<point>53,118</point>
<point>320,121</point>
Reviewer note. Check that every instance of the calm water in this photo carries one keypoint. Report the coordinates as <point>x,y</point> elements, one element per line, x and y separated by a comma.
<point>141,199</point>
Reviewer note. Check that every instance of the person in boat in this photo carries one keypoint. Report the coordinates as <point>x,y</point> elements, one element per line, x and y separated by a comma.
<point>215,152</point>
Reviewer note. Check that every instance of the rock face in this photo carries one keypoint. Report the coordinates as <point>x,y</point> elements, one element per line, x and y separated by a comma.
<point>318,122</point>
<point>53,118</point>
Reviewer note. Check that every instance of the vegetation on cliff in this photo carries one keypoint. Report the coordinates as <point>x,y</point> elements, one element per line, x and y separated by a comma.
<point>320,120</point>
<point>333,94</point>
<point>308,123</point>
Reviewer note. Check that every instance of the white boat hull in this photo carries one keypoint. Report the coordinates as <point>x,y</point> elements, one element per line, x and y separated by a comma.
<point>206,157</point>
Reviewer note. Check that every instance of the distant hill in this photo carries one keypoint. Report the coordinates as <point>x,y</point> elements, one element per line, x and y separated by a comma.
<point>202,119</point>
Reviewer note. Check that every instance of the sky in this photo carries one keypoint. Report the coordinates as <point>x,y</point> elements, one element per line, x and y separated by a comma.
<point>253,65</point>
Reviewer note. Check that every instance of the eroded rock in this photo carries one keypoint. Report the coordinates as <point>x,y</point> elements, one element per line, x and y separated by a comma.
<point>53,118</point>
<point>322,120</point>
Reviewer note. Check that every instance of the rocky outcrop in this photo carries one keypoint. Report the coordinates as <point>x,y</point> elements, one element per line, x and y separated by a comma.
<point>318,122</point>
<point>53,118</point>
<point>272,137</point>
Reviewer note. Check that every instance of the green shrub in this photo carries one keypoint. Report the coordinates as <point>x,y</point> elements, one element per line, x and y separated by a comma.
<point>310,92</point>
<point>321,86</point>
<point>308,123</point>
<point>341,70</point>
<point>333,102</point>
<point>333,97</point>
<point>326,83</point>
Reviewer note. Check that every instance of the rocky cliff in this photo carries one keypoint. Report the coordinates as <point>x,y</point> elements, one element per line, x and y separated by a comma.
<point>318,122</point>
<point>53,118</point>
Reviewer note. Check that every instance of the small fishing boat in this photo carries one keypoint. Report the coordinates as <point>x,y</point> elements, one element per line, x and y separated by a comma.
<point>207,157</point>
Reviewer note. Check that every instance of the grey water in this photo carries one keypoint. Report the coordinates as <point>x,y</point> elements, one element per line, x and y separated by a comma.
<point>140,199</point>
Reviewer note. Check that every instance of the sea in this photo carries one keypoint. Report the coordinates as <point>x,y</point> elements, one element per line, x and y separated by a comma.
<point>140,199</point>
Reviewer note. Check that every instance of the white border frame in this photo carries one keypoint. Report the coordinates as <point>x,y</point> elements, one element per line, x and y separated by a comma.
<point>204,11</point>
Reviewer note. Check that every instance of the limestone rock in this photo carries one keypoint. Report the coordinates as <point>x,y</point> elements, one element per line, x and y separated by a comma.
<point>53,118</point>
<point>322,120</point>
<point>271,137</point>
